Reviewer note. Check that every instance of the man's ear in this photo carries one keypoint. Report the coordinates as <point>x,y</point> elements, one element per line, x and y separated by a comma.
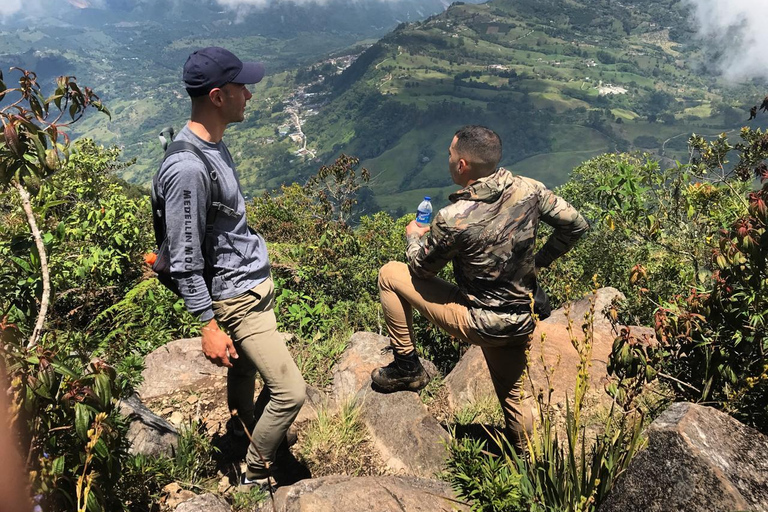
<point>463,165</point>
<point>215,95</point>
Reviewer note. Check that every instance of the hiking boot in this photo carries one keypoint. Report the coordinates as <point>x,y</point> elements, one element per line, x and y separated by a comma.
<point>405,373</point>
<point>250,480</point>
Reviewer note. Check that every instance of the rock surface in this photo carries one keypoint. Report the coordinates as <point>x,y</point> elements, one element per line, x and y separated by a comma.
<point>204,503</point>
<point>179,365</point>
<point>698,459</point>
<point>148,433</point>
<point>315,401</point>
<point>407,437</point>
<point>470,380</point>
<point>366,494</point>
<point>352,373</point>
<point>579,308</point>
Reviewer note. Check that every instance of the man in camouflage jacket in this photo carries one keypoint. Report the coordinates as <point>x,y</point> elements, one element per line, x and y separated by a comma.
<point>489,233</point>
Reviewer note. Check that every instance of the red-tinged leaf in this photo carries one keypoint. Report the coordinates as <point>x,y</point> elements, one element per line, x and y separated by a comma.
<point>12,139</point>
<point>74,88</point>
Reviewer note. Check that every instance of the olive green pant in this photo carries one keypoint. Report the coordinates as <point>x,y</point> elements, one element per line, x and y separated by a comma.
<point>443,305</point>
<point>250,321</point>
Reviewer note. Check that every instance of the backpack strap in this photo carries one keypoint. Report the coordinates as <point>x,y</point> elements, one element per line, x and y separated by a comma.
<point>179,146</point>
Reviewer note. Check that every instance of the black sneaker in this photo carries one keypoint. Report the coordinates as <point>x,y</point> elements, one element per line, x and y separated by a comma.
<point>266,483</point>
<point>405,373</point>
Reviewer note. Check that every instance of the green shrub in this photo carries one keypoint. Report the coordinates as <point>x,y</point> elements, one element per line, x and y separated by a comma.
<point>64,407</point>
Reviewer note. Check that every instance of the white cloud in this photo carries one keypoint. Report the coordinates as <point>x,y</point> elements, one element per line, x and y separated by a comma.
<point>738,28</point>
<point>10,7</point>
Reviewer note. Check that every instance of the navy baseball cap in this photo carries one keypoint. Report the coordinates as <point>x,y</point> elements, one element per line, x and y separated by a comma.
<point>212,67</point>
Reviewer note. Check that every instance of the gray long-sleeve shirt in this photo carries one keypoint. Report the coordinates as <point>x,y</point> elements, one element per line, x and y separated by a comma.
<point>236,256</point>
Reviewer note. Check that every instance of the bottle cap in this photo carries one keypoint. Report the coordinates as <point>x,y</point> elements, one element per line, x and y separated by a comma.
<point>426,198</point>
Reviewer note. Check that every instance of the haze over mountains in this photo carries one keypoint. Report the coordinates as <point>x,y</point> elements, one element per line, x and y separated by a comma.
<point>561,81</point>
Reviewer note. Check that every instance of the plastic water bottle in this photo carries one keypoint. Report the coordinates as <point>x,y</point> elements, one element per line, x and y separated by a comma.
<point>424,213</point>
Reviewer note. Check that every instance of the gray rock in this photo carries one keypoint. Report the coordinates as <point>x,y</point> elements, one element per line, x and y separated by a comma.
<point>579,308</point>
<point>469,381</point>
<point>407,437</point>
<point>178,365</point>
<point>204,503</point>
<point>698,459</point>
<point>148,433</point>
<point>352,373</point>
<point>315,401</point>
<point>366,494</point>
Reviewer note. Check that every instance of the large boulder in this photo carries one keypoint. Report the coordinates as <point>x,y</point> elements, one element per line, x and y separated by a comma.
<point>366,494</point>
<point>470,380</point>
<point>603,299</point>
<point>148,433</point>
<point>366,352</point>
<point>178,365</point>
<point>698,459</point>
<point>407,437</point>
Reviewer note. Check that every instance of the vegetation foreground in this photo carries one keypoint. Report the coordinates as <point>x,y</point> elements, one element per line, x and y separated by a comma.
<point>686,244</point>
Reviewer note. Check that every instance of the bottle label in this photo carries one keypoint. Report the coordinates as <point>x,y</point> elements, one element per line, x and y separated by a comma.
<point>423,218</point>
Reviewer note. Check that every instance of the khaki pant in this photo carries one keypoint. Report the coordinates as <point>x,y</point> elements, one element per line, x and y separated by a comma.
<point>250,320</point>
<point>443,305</point>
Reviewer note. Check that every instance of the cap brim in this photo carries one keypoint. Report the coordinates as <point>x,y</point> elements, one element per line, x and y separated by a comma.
<point>252,73</point>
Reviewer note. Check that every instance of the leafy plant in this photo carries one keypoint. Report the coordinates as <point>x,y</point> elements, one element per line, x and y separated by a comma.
<point>72,436</point>
<point>652,228</point>
<point>34,146</point>
<point>712,342</point>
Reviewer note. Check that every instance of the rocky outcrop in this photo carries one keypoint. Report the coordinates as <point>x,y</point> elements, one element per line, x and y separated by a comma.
<point>204,503</point>
<point>148,433</point>
<point>364,494</point>
<point>178,365</point>
<point>470,380</point>
<point>603,299</point>
<point>407,437</point>
<point>698,459</point>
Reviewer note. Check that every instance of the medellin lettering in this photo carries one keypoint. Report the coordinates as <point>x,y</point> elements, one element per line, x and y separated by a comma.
<point>188,217</point>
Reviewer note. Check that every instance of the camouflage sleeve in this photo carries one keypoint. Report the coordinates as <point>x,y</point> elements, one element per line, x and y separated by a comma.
<point>568,223</point>
<point>428,258</point>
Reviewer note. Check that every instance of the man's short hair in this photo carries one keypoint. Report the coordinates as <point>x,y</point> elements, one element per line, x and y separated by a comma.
<point>478,145</point>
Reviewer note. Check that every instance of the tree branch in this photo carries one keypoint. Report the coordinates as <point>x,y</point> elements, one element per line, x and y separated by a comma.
<point>45,299</point>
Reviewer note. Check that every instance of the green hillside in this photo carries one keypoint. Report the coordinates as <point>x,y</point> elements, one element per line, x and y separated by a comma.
<point>561,81</point>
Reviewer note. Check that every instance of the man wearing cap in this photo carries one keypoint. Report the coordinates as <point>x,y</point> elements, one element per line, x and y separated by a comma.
<point>224,275</point>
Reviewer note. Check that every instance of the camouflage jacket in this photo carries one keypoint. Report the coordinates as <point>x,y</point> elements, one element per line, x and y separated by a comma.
<point>489,233</point>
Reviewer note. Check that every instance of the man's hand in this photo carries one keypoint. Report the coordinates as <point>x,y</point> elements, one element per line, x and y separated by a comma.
<point>414,229</point>
<point>217,346</point>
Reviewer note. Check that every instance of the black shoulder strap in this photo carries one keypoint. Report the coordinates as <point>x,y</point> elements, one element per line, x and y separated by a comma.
<point>179,146</point>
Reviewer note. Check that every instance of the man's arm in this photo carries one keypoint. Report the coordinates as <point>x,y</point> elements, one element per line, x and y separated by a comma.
<point>428,258</point>
<point>186,190</point>
<point>568,223</point>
